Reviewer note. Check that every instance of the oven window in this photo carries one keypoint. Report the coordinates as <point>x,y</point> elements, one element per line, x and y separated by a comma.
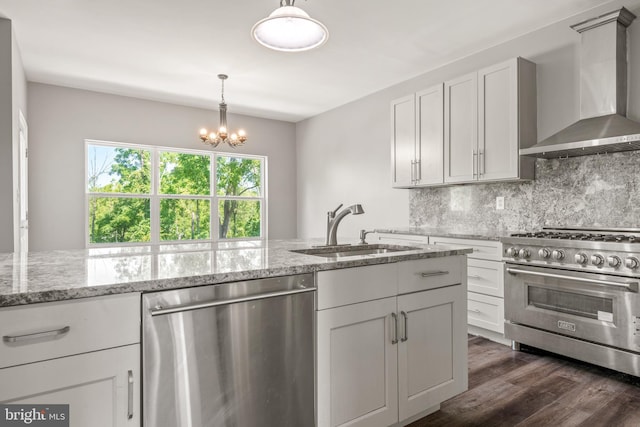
<point>568,302</point>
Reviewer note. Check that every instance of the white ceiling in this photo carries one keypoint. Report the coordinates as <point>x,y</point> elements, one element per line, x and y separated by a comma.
<point>172,50</point>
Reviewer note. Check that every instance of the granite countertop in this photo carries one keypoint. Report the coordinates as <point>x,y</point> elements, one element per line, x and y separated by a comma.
<point>62,275</point>
<point>457,233</point>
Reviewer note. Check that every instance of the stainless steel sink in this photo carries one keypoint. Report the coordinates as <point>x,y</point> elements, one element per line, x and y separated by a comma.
<point>353,250</point>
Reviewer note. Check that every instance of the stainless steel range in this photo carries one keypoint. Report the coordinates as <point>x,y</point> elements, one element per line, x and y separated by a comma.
<point>574,291</point>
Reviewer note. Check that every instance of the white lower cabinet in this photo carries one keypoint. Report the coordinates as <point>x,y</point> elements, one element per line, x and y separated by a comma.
<point>432,359</point>
<point>383,362</point>
<point>102,388</point>
<point>84,353</point>
<point>357,365</point>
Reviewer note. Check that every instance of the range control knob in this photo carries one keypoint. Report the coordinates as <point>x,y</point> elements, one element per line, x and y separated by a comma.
<point>524,253</point>
<point>597,260</point>
<point>614,261</point>
<point>581,258</point>
<point>544,253</point>
<point>631,262</point>
<point>557,254</point>
<point>512,252</point>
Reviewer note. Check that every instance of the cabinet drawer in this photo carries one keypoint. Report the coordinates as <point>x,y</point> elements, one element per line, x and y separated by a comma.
<point>482,249</point>
<point>485,277</point>
<point>420,275</point>
<point>45,331</point>
<point>353,285</point>
<point>485,312</point>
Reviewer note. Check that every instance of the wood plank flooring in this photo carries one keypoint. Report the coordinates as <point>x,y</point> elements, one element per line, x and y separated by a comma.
<point>535,388</point>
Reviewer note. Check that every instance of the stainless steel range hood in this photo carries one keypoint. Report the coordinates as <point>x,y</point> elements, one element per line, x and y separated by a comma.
<point>603,126</point>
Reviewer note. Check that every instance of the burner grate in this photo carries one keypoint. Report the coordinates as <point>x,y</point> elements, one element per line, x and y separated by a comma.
<point>593,237</point>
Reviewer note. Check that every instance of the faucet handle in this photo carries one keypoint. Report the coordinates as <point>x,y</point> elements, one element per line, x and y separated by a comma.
<point>334,212</point>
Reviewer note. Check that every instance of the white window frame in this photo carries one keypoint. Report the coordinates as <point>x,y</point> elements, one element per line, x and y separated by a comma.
<point>155,197</point>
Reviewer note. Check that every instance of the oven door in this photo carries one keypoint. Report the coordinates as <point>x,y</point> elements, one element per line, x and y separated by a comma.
<point>587,306</point>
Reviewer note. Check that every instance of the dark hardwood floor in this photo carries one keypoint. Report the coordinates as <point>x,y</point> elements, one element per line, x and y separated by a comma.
<point>535,388</point>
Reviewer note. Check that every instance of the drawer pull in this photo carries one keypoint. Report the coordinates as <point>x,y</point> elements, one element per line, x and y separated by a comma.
<point>36,335</point>
<point>474,276</point>
<point>433,273</point>
<point>474,310</point>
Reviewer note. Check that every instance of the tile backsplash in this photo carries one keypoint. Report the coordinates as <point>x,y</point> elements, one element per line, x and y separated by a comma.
<point>599,190</point>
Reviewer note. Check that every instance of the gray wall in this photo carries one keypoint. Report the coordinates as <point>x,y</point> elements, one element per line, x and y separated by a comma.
<point>344,154</point>
<point>13,98</point>
<point>62,118</point>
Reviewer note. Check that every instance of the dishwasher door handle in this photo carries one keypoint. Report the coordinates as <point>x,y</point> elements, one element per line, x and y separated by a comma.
<point>157,311</point>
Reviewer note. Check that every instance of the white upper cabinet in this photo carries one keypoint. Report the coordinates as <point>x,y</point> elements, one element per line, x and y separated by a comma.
<point>403,141</point>
<point>469,129</point>
<point>429,136</point>
<point>460,130</point>
<point>489,116</point>
<point>417,131</point>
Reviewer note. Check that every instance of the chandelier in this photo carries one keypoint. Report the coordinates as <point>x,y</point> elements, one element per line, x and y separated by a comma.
<point>215,138</point>
<point>289,29</point>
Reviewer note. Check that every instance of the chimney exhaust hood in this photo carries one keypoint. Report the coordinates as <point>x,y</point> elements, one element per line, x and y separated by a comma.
<point>603,126</point>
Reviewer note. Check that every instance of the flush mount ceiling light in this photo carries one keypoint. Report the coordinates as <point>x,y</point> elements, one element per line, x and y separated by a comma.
<point>289,29</point>
<point>215,138</point>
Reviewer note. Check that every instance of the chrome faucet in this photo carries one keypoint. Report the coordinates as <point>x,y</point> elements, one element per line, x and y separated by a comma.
<point>334,218</point>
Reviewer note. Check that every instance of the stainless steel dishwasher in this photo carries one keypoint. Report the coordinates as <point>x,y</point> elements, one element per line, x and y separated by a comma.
<point>236,354</point>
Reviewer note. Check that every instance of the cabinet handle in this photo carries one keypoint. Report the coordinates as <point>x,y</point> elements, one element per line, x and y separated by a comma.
<point>406,326</point>
<point>474,162</point>
<point>36,335</point>
<point>419,170</point>
<point>433,273</point>
<point>474,276</point>
<point>474,310</point>
<point>394,340</point>
<point>413,169</point>
<point>481,162</point>
<point>130,395</point>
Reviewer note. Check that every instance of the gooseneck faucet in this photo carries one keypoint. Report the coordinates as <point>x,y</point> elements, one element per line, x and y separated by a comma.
<point>334,218</point>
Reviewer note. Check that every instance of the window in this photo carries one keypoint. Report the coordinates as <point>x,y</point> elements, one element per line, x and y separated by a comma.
<point>138,194</point>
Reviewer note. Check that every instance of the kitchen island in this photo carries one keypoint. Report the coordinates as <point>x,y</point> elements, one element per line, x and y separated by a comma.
<point>71,324</point>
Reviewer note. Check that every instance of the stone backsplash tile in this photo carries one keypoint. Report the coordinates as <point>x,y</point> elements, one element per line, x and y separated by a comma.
<point>602,191</point>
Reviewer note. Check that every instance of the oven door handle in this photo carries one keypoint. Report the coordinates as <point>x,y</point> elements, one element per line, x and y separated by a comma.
<point>631,286</point>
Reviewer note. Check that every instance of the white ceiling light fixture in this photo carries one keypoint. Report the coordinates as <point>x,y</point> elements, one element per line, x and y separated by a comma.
<point>215,138</point>
<point>290,29</point>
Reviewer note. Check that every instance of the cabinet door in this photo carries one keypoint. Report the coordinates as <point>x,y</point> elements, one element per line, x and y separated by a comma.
<point>498,121</point>
<point>102,388</point>
<point>432,353</point>
<point>461,129</point>
<point>357,362</point>
<point>403,138</point>
<point>430,135</point>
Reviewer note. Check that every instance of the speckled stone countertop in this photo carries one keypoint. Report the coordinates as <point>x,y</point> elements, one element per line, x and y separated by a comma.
<point>62,275</point>
<point>458,233</point>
